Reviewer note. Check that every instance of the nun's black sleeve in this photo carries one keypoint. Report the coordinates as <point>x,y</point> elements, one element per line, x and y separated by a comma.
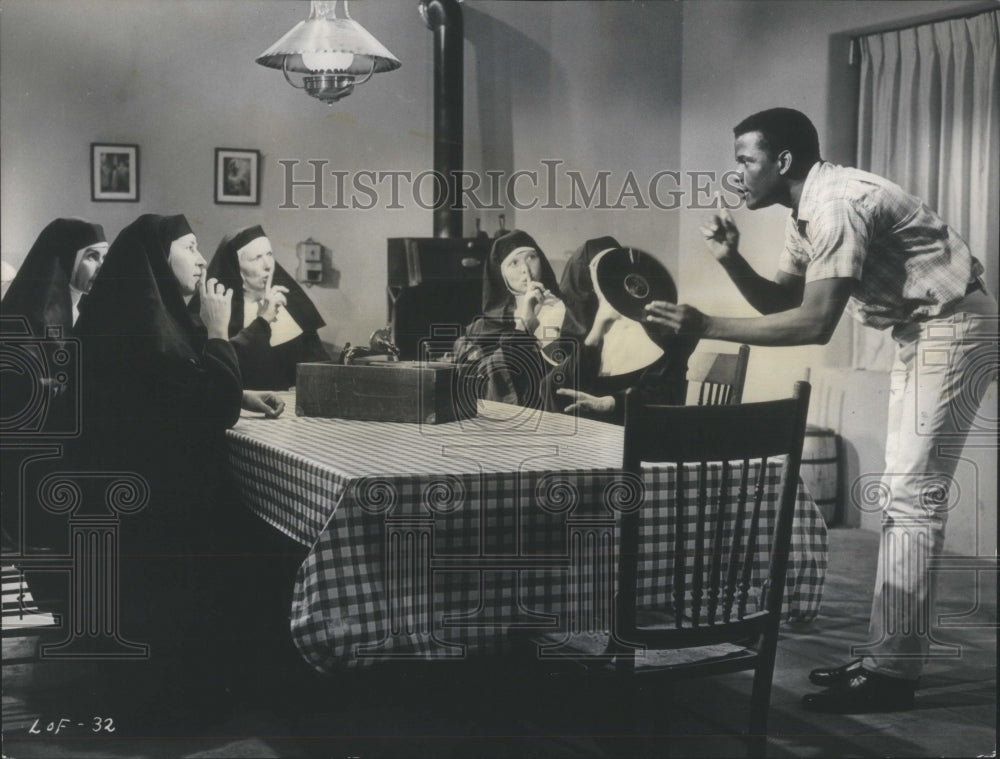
<point>264,367</point>
<point>665,381</point>
<point>208,391</point>
<point>254,339</point>
<point>313,349</point>
<point>256,334</point>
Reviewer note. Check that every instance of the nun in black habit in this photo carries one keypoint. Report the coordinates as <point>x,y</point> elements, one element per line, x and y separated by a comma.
<point>42,301</point>
<point>161,385</point>
<point>616,354</point>
<point>525,328</point>
<point>273,325</point>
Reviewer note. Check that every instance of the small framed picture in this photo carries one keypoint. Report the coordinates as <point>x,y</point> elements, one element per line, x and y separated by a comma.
<point>114,172</point>
<point>237,176</point>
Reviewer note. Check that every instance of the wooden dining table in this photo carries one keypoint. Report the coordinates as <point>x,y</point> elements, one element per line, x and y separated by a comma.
<point>433,541</point>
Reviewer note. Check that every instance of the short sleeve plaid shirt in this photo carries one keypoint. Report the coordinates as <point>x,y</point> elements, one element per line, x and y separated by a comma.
<point>910,265</point>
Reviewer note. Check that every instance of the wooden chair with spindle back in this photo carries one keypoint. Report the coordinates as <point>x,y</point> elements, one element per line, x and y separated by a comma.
<point>719,618</point>
<point>720,376</point>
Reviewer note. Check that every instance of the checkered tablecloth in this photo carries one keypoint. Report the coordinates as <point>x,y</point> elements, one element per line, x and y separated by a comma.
<point>431,541</point>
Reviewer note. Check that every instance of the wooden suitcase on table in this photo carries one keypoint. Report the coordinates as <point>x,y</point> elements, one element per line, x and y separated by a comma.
<point>386,391</point>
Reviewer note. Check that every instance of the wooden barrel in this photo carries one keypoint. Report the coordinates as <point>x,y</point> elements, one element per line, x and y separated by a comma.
<point>820,471</point>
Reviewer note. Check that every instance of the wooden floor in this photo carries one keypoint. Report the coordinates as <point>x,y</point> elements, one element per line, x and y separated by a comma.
<point>484,710</point>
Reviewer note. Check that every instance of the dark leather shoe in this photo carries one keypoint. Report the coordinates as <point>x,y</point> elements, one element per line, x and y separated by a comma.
<point>864,692</point>
<point>827,676</point>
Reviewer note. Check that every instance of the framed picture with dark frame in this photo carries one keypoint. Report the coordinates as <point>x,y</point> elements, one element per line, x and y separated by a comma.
<point>237,176</point>
<point>114,172</point>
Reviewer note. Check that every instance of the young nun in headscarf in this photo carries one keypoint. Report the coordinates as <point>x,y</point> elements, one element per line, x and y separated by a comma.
<point>55,275</point>
<point>521,332</point>
<point>161,385</point>
<point>273,324</point>
<point>617,353</point>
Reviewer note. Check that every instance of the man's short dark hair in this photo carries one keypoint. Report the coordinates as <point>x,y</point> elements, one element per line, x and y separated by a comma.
<point>785,129</point>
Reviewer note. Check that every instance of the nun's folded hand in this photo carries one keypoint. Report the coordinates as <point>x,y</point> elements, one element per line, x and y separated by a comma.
<point>263,402</point>
<point>274,299</point>
<point>216,305</point>
<point>678,318</point>
<point>604,404</point>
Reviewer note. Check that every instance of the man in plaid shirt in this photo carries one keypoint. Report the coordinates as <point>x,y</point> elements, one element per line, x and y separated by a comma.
<point>857,242</point>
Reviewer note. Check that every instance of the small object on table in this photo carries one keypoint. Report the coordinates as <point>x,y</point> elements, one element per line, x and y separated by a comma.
<point>380,344</point>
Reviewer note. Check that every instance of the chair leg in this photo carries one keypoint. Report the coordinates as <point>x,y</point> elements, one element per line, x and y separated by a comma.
<point>665,693</point>
<point>757,746</point>
<point>618,714</point>
<point>760,702</point>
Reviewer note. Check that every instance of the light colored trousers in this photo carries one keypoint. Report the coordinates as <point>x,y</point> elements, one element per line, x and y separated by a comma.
<point>941,371</point>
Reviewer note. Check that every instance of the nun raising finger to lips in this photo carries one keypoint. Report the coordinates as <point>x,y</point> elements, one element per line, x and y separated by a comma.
<point>273,325</point>
<point>520,334</point>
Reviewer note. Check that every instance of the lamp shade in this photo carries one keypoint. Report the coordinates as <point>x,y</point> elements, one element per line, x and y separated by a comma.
<point>329,44</point>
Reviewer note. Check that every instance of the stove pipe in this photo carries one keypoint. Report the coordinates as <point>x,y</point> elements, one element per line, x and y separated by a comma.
<point>444,19</point>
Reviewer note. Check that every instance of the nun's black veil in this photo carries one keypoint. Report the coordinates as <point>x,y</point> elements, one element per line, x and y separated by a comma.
<point>137,297</point>
<point>144,353</point>
<point>40,290</point>
<point>498,301</point>
<point>576,284</point>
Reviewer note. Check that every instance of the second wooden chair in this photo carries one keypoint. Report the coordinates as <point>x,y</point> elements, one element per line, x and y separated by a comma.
<point>720,376</point>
